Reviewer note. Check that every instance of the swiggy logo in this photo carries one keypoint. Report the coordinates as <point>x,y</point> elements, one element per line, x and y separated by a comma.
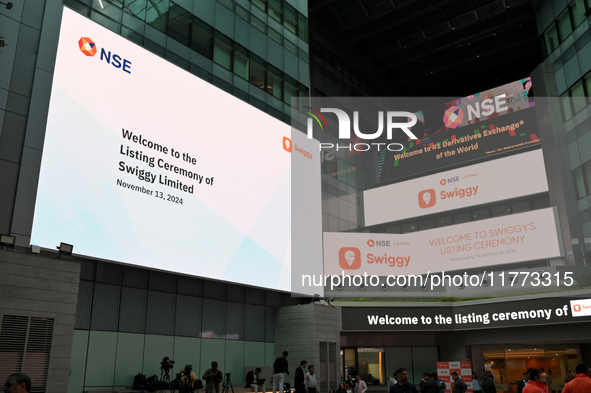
<point>87,46</point>
<point>427,198</point>
<point>287,144</point>
<point>349,258</point>
<point>577,308</point>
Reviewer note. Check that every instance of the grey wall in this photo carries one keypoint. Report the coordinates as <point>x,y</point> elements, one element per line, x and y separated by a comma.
<point>300,329</point>
<point>35,286</point>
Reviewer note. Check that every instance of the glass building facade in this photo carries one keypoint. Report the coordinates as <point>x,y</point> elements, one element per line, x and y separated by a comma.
<point>256,51</point>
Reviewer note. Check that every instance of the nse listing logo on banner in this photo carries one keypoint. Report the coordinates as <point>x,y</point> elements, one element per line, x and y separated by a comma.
<point>513,238</point>
<point>504,178</point>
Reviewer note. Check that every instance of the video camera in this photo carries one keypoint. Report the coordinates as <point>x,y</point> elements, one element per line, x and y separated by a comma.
<point>188,369</point>
<point>166,363</point>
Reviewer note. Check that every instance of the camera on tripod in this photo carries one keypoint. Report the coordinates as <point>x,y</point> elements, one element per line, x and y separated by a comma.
<point>166,364</point>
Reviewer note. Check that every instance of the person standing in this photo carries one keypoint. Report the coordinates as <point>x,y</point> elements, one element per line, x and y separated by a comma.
<point>429,386</point>
<point>536,382</point>
<point>548,380</point>
<point>392,380</point>
<point>213,376</point>
<point>402,386</point>
<point>280,368</point>
<point>488,386</point>
<point>439,382</point>
<point>361,386</point>
<point>310,380</point>
<point>476,383</point>
<point>581,382</point>
<point>298,382</point>
<point>521,384</point>
<point>459,385</point>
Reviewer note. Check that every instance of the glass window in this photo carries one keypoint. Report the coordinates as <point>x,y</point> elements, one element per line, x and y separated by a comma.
<point>202,38</point>
<point>222,51</point>
<point>274,9</point>
<point>257,71</point>
<point>568,112</point>
<point>255,323</point>
<point>214,323</point>
<point>274,82</point>
<point>137,8</point>
<point>302,27</point>
<point>227,3</point>
<point>501,210</point>
<point>426,224</point>
<point>262,4</point>
<point>551,39</point>
<point>580,183</point>
<point>480,214</point>
<point>443,221</point>
<point>460,218</point>
<point>393,229</point>
<point>564,25</point>
<point>578,96</point>
<point>290,20</point>
<point>409,227</point>
<point>179,24</point>
<point>241,12</point>
<point>275,36</point>
<point>156,14</point>
<point>260,25</point>
<point>234,321</point>
<point>520,207</point>
<point>290,46</point>
<point>241,62</point>
<point>303,91</point>
<point>578,12</point>
<point>290,89</point>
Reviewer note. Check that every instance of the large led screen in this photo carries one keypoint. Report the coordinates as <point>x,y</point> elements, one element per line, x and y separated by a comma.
<point>146,164</point>
<point>509,177</point>
<point>495,241</point>
<point>452,133</point>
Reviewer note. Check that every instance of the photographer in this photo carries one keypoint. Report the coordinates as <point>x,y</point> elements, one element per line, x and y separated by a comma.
<point>188,382</point>
<point>213,376</point>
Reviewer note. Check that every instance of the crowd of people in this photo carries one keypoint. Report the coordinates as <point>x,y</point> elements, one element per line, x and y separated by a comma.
<point>306,381</point>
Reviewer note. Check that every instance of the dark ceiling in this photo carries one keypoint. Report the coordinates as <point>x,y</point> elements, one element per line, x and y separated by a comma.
<point>432,48</point>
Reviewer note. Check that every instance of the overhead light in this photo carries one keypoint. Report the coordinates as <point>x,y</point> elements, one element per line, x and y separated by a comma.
<point>35,249</point>
<point>65,248</point>
<point>7,241</point>
<point>101,3</point>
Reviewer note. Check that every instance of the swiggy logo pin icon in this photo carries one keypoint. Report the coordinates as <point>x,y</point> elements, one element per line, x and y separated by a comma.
<point>577,308</point>
<point>427,198</point>
<point>349,258</point>
<point>287,144</point>
<point>87,46</point>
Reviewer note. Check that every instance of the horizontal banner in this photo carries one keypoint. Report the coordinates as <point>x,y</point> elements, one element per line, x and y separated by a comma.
<point>496,136</point>
<point>505,178</point>
<point>491,315</point>
<point>496,241</point>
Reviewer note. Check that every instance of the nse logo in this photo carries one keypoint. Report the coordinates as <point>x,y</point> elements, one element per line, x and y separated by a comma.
<point>454,116</point>
<point>89,48</point>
